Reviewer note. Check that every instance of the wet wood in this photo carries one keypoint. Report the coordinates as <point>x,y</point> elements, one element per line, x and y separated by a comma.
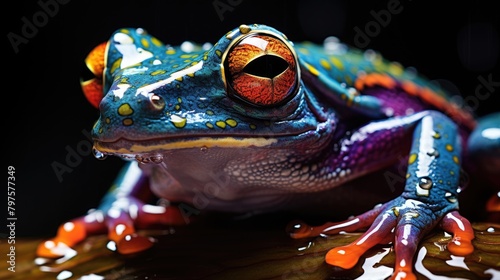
<point>255,248</point>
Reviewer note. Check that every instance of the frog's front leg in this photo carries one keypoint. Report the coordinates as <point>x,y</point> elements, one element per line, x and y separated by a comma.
<point>429,199</point>
<point>122,211</point>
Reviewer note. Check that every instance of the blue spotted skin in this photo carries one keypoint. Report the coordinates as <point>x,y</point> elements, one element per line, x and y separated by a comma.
<point>351,113</point>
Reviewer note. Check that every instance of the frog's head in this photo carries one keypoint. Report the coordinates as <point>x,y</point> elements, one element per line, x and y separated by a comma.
<point>244,91</point>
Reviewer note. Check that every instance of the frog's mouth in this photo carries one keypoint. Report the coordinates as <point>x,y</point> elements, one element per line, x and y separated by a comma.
<point>153,150</point>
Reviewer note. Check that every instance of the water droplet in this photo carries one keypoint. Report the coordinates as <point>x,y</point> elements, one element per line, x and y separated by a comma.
<point>98,154</point>
<point>450,197</point>
<point>157,159</point>
<point>142,159</point>
<point>204,149</point>
<point>433,153</point>
<point>425,183</point>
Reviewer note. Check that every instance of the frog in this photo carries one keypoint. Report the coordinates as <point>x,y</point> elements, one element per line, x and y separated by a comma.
<point>256,118</point>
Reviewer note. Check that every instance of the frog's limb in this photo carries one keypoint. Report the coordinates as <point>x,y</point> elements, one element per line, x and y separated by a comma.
<point>122,211</point>
<point>347,97</point>
<point>429,199</point>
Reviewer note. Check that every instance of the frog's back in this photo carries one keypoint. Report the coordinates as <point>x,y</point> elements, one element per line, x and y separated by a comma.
<point>402,90</point>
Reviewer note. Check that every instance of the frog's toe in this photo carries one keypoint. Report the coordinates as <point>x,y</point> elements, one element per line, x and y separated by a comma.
<point>463,233</point>
<point>69,234</point>
<point>126,215</point>
<point>299,229</point>
<point>347,256</point>
<point>122,224</point>
<point>121,221</point>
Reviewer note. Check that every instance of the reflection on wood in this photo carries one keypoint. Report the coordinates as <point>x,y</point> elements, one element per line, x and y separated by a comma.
<point>256,248</point>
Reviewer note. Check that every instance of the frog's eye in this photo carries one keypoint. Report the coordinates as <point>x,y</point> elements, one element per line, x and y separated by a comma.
<point>261,70</point>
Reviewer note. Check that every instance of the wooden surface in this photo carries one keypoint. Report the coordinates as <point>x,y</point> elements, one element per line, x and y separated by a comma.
<point>255,248</point>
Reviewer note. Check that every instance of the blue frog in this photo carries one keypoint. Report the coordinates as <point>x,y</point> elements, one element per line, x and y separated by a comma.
<point>255,119</point>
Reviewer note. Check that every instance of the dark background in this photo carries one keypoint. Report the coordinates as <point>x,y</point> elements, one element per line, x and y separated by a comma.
<point>45,110</point>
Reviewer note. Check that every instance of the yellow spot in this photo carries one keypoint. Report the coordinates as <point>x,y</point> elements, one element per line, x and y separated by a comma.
<point>325,64</point>
<point>170,51</point>
<point>218,53</point>
<point>178,121</point>
<point>179,79</point>
<point>456,160</point>
<point>100,130</point>
<point>158,72</point>
<point>253,126</point>
<point>107,120</point>
<point>187,60</point>
<point>220,124</point>
<point>125,31</point>
<point>244,29</point>
<point>407,175</point>
<point>125,110</point>
<point>436,135</point>
<point>156,42</point>
<point>145,42</point>
<point>185,56</point>
<point>440,181</point>
<point>304,50</point>
<point>412,158</point>
<point>190,75</point>
<point>311,69</point>
<point>179,99</point>
<point>115,65</point>
<point>452,172</point>
<point>209,125</point>
<point>449,147</point>
<point>210,112</point>
<point>194,63</point>
<point>177,107</point>
<point>395,210</point>
<point>396,69</point>
<point>337,63</point>
<point>127,121</point>
<point>231,122</point>
<point>175,65</point>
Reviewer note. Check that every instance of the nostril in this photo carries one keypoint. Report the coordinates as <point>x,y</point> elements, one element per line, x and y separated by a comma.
<point>157,101</point>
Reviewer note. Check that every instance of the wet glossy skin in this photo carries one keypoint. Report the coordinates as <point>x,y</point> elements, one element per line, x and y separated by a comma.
<point>255,119</point>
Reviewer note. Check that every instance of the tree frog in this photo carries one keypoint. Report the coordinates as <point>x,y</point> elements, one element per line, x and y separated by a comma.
<point>256,118</point>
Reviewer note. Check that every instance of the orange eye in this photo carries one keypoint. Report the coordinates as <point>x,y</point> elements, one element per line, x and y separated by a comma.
<point>262,70</point>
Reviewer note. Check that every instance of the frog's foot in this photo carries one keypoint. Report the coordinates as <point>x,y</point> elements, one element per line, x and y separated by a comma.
<point>405,222</point>
<point>120,221</point>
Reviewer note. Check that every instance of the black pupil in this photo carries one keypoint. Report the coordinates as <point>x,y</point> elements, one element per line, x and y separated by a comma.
<point>268,66</point>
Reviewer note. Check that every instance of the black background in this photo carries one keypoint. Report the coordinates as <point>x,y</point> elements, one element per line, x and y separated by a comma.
<point>45,110</point>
